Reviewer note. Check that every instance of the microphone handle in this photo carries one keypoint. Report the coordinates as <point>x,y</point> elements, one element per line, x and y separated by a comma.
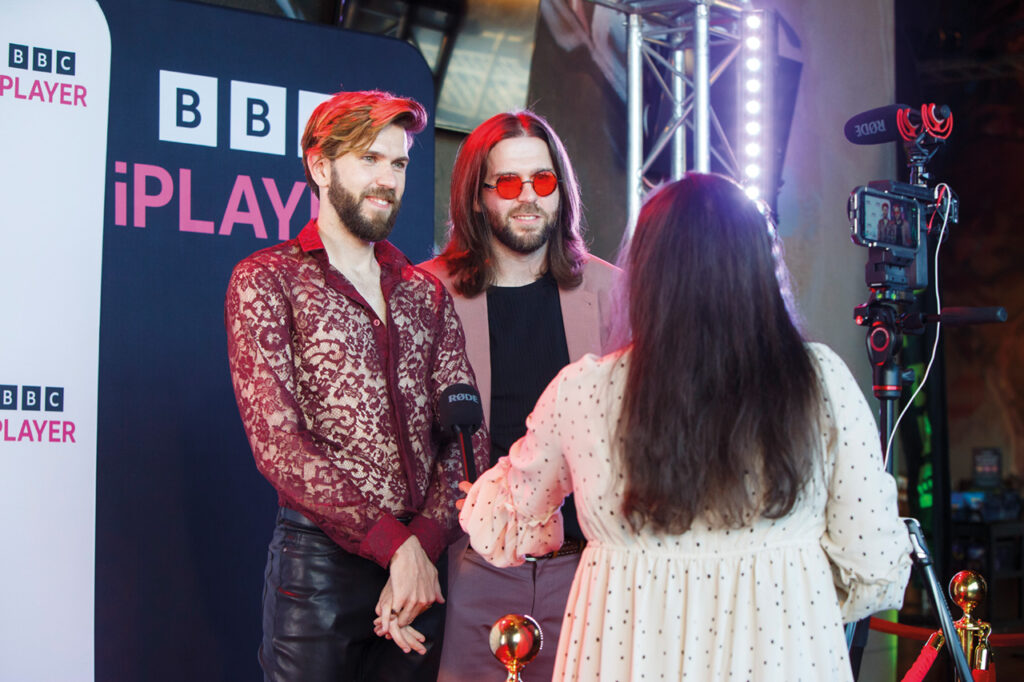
<point>467,454</point>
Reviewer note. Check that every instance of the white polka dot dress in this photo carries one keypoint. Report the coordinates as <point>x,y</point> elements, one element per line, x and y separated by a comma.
<point>764,602</point>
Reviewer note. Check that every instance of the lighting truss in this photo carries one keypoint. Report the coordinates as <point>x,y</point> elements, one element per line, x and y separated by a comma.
<point>677,41</point>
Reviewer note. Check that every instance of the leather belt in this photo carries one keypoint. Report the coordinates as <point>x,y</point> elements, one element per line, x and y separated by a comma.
<point>296,518</point>
<point>570,546</point>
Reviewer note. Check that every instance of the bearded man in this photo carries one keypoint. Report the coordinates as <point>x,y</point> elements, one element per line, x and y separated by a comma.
<point>339,351</point>
<point>532,300</point>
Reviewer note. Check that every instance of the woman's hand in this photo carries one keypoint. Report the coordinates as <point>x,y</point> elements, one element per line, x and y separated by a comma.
<point>464,486</point>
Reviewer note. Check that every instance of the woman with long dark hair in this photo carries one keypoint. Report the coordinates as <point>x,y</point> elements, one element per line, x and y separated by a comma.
<point>727,474</point>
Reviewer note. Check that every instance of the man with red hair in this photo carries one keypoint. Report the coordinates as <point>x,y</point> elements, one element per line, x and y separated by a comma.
<point>531,300</point>
<point>339,350</point>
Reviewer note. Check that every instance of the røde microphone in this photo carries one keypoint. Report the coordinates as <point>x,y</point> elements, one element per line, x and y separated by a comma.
<point>460,414</point>
<point>881,125</point>
<point>876,126</point>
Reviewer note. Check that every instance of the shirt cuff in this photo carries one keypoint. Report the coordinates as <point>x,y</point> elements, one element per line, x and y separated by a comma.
<point>384,539</point>
<point>431,536</point>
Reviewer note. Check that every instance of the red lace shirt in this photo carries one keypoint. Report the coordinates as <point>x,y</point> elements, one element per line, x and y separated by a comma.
<point>338,406</point>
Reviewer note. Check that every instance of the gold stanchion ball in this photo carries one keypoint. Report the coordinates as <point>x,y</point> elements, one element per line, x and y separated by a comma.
<point>967,589</point>
<point>515,641</point>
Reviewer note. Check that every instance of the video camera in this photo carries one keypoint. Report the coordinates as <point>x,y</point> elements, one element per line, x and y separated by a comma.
<point>892,218</point>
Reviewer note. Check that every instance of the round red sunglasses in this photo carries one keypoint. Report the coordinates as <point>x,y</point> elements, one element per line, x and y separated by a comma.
<point>511,186</point>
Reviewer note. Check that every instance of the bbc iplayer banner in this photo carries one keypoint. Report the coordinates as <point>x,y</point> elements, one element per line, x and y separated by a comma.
<point>54,81</point>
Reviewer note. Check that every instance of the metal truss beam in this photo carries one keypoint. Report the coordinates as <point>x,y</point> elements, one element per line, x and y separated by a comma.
<point>672,40</point>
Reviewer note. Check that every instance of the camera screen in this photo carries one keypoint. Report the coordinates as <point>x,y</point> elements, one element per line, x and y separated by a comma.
<point>889,220</point>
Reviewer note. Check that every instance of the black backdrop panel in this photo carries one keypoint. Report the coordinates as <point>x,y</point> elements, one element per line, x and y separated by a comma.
<point>183,517</point>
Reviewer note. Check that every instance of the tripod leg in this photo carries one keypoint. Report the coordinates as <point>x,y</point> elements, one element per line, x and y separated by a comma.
<point>923,561</point>
<point>856,640</point>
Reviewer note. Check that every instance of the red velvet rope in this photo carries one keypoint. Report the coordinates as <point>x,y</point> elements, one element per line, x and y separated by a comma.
<point>922,634</point>
<point>901,630</point>
<point>1009,639</point>
<point>927,657</point>
<point>922,665</point>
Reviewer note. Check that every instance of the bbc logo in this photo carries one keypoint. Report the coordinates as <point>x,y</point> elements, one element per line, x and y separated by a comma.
<point>33,398</point>
<point>40,59</point>
<point>257,113</point>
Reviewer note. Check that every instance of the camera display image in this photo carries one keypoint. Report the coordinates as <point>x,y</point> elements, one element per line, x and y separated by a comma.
<point>888,220</point>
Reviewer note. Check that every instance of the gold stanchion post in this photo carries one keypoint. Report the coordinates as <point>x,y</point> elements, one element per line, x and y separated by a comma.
<point>967,589</point>
<point>515,641</point>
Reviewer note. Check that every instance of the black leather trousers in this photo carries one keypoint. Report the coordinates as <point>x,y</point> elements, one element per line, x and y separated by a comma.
<point>318,611</point>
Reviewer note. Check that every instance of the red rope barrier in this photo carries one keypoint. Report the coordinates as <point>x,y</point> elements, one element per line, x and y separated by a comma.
<point>922,634</point>
<point>922,665</point>
<point>1009,639</point>
<point>901,630</point>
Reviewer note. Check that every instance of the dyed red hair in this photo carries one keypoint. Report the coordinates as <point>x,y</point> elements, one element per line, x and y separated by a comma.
<point>351,121</point>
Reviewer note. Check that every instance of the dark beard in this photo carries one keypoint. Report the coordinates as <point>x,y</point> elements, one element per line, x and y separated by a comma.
<point>524,244</point>
<point>346,205</point>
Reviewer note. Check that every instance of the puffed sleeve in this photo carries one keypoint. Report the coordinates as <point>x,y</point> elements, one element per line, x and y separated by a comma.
<point>513,509</point>
<point>865,540</point>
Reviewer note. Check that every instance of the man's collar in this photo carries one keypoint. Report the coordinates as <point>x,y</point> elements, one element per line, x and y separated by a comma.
<point>309,237</point>
<point>389,256</point>
<point>386,253</point>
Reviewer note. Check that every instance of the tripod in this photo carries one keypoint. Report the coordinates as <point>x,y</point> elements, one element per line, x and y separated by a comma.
<point>893,272</point>
<point>887,320</point>
<point>885,334</point>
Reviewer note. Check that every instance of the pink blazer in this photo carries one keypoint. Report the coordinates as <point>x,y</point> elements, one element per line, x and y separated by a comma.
<point>586,315</point>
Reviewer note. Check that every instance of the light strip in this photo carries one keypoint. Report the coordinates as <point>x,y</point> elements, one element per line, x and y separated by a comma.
<point>752,109</point>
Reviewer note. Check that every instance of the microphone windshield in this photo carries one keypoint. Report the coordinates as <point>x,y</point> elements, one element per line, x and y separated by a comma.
<point>459,407</point>
<point>876,126</point>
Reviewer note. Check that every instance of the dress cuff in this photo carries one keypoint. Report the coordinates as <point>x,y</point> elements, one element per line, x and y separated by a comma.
<point>384,539</point>
<point>431,536</point>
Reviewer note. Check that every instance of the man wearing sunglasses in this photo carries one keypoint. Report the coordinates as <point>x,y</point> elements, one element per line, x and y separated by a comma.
<point>531,300</point>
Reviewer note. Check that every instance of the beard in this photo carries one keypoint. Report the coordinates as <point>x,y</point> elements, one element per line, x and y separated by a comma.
<point>501,228</point>
<point>347,206</point>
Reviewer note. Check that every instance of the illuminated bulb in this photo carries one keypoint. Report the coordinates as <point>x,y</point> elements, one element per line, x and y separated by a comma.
<point>753,170</point>
<point>753,149</point>
<point>753,191</point>
<point>753,85</point>
<point>753,107</point>
<point>753,43</point>
<point>753,127</point>
<point>753,21</point>
<point>753,64</point>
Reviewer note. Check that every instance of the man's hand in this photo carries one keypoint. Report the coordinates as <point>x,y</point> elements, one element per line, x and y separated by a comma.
<point>412,587</point>
<point>406,638</point>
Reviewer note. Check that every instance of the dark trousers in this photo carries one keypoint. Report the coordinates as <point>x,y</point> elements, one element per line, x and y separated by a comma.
<point>318,611</point>
<point>479,594</point>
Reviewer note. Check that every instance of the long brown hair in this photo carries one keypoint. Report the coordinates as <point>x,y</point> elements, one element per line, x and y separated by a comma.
<point>719,410</point>
<point>468,255</point>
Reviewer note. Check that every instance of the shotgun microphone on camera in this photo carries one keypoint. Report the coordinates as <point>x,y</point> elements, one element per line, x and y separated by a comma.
<point>881,125</point>
<point>876,126</point>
